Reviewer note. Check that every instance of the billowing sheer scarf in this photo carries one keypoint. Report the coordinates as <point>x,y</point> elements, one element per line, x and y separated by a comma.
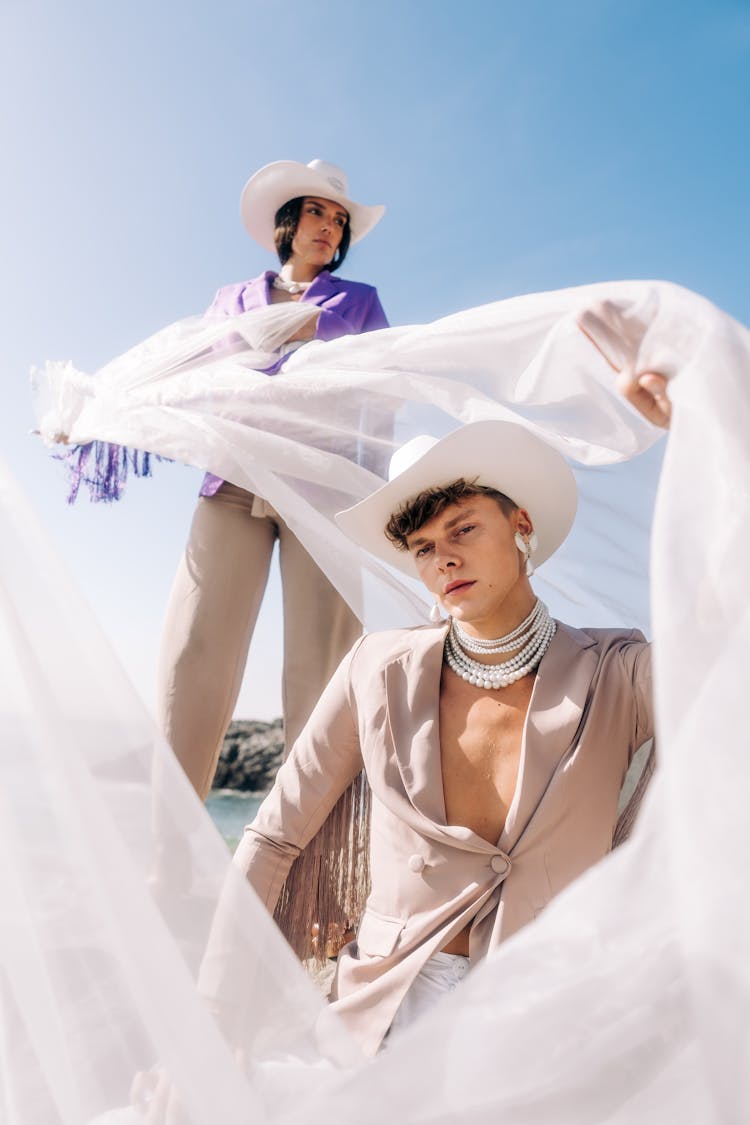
<point>627,1000</point>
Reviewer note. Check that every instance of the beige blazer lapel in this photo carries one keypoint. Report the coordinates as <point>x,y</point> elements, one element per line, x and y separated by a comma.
<point>553,718</point>
<point>412,684</point>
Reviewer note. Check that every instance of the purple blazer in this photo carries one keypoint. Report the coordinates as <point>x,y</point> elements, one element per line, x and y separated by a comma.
<point>347,308</point>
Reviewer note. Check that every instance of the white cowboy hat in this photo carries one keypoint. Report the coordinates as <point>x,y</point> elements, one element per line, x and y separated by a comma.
<point>502,455</point>
<point>277,183</point>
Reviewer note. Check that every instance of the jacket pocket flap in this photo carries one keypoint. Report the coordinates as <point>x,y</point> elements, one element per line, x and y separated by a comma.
<point>378,934</point>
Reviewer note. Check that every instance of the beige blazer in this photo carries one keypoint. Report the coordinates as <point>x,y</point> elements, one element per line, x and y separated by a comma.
<point>590,710</point>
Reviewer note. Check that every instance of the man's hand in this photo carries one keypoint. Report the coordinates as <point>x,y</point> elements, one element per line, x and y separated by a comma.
<point>617,337</point>
<point>648,393</point>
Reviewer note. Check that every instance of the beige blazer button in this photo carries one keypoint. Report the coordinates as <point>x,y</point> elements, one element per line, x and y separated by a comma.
<point>416,864</point>
<point>499,864</point>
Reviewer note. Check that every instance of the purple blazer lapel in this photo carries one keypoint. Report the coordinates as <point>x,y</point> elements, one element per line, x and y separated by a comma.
<point>257,292</point>
<point>554,715</point>
<point>322,287</point>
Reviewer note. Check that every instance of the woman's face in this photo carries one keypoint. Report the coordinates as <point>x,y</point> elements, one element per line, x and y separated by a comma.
<point>319,230</point>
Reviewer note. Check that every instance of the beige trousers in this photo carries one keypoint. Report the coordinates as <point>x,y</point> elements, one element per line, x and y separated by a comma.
<point>210,620</point>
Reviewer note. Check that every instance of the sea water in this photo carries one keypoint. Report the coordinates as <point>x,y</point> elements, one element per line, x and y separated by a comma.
<point>231,810</point>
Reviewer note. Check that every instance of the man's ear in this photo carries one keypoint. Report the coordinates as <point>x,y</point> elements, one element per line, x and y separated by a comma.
<point>523,522</point>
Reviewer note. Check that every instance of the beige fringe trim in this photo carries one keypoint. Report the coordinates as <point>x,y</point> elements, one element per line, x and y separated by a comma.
<point>627,817</point>
<point>324,894</point>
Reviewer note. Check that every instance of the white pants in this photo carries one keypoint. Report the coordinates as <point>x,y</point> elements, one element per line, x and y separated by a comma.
<point>441,974</point>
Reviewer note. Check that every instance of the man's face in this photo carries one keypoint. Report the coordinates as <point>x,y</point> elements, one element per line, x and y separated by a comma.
<point>468,559</point>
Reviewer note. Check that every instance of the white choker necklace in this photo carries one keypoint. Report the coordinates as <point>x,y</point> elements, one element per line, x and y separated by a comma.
<point>293,287</point>
<point>531,639</point>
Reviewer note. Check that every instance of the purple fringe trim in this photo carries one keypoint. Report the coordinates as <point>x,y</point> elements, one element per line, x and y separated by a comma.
<point>103,468</point>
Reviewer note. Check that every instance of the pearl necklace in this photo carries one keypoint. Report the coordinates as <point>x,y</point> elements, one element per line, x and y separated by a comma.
<point>532,638</point>
<point>293,287</point>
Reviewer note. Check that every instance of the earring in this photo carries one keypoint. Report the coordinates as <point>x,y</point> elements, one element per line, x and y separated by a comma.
<point>527,546</point>
<point>531,546</point>
<point>436,613</point>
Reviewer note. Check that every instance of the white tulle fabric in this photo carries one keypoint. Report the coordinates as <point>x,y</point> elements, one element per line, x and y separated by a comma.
<point>628,999</point>
<point>319,436</point>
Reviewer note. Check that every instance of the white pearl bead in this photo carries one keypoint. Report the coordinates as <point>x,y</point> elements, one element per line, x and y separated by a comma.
<point>533,636</point>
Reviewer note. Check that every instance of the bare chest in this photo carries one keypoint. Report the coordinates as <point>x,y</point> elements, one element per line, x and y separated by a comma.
<point>481,734</point>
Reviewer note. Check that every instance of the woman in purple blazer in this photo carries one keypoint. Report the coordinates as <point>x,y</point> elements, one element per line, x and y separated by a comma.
<point>304,214</point>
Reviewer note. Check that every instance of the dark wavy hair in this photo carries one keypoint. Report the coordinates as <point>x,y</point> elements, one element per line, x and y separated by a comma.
<point>285,224</point>
<point>432,502</point>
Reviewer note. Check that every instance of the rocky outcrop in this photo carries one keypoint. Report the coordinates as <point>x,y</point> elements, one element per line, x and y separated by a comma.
<point>250,756</point>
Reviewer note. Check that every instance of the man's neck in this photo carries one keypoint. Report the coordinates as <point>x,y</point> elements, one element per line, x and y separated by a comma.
<point>507,617</point>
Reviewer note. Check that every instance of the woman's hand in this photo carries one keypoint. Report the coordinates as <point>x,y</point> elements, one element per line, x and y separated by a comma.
<point>153,1096</point>
<point>307,331</point>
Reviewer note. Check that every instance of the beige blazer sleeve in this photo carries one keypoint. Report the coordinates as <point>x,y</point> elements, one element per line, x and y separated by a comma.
<point>323,762</point>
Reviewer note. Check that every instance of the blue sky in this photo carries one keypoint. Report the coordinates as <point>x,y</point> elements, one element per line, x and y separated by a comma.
<point>518,147</point>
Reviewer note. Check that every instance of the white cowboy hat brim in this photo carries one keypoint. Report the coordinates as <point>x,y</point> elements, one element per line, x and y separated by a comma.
<point>277,183</point>
<point>502,455</point>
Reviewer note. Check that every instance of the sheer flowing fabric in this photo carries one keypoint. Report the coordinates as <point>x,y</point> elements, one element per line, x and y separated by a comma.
<point>628,999</point>
<point>319,435</point>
